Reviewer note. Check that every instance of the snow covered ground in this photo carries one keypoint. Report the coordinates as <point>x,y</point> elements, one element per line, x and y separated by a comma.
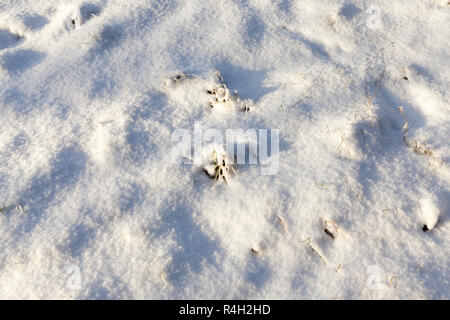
<point>93,204</point>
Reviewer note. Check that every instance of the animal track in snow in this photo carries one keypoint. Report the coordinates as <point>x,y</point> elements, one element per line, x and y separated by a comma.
<point>8,39</point>
<point>35,22</point>
<point>21,60</point>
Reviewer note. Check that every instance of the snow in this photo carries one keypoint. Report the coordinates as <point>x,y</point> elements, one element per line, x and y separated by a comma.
<point>94,205</point>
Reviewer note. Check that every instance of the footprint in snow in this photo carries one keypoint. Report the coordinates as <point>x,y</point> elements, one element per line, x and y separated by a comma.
<point>349,11</point>
<point>21,60</point>
<point>8,39</point>
<point>35,22</point>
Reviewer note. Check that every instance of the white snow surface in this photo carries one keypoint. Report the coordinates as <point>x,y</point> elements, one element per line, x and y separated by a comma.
<point>94,207</point>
